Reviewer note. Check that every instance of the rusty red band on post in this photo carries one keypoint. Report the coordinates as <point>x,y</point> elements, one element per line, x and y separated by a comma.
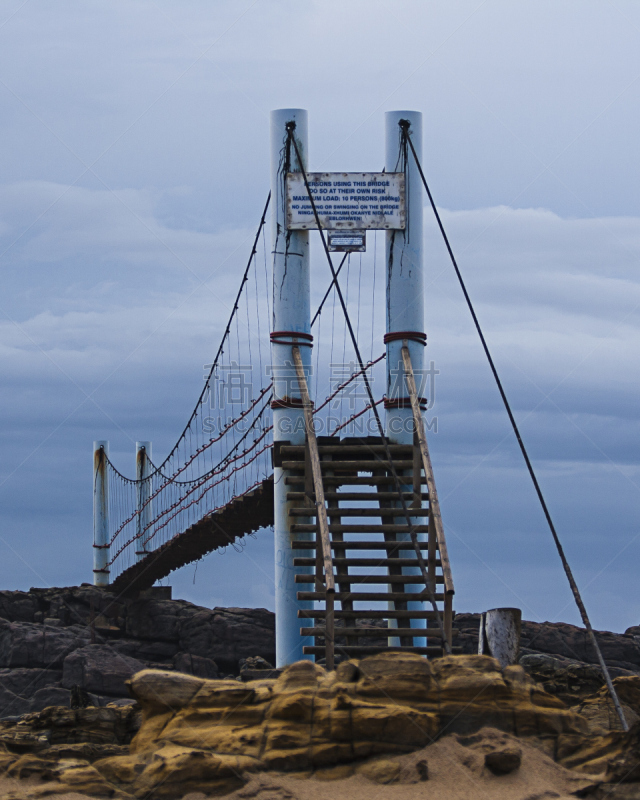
<point>412,336</point>
<point>291,337</point>
<point>404,402</point>
<point>287,402</point>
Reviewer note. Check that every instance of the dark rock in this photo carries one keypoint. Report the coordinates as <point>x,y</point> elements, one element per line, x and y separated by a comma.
<point>258,674</point>
<point>503,761</point>
<point>97,668</point>
<point>28,681</point>
<point>18,606</point>
<point>18,687</point>
<point>423,770</point>
<point>253,663</point>
<point>79,697</point>
<point>256,668</point>
<point>11,704</point>
<point>561,657</point>
<point>157,620</point>
<point>562,639</point>
<point>571,681</point>
<point>146,651</point>
<point>196,665</point>
<point>228,634</point>
<point>26,644</point>
<point>50,696</point>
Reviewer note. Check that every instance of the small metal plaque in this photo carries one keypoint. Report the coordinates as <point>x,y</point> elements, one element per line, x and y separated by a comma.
<point>347,241</point>
<point>346,201</point>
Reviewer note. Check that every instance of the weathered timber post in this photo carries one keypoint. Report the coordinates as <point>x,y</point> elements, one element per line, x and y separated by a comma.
<point>499,635</point>
<point>291,326</point>
<point>143,493</point>
<point>100,514</point>
<point>405,310</point>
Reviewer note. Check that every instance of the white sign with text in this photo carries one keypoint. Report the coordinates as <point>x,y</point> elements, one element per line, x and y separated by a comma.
<point>344,200</point>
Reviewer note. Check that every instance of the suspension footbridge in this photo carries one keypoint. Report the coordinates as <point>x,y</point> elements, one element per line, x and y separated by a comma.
<point>318,430</point>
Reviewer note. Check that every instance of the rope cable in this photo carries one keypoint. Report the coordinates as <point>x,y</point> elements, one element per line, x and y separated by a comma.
<point>565,564</point>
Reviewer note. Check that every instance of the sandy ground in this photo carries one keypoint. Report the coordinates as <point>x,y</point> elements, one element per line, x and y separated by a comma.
<point>456,772</point>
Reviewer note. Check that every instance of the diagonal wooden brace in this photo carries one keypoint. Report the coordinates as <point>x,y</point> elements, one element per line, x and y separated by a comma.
<point>321,508</point>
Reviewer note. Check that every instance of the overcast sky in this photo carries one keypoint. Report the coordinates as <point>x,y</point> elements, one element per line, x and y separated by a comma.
<point>134,163</point>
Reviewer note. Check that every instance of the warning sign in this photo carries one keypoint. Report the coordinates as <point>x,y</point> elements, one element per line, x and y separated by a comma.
<point>346,200</point>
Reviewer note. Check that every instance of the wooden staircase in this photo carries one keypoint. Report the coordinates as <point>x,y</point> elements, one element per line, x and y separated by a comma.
<point>374,564</point>
<point>379,540</point>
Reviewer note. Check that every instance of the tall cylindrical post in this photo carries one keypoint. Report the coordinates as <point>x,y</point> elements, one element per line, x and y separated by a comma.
<point>100,514</point>
<point>143,494</point>
<point>405,277</point>
<point>405,304</point>
<point>291,325</point>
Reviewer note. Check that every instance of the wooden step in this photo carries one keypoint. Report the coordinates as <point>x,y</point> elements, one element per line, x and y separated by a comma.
<point>361,562</point>
<point>300,527</point>
<point>374,497</point>
<point>362,650</point>
<point>339,449</point>
<point>354,466</point>
<point>371,597</point>
<point>362,580</point>
<point>310,511</point>
<point>346,480</point>
<point>320,613</point>
<point>390,547</point>
<point>376,633</point>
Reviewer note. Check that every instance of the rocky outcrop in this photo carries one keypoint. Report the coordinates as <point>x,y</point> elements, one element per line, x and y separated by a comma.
<point>56,641</point>
<point>201,735</point>
<point>97,668</point>
<point>560,657</point>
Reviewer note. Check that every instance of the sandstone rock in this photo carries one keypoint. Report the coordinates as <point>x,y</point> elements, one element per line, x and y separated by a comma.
<point>55,726</point>
<point>380,771</point>
<point>201,735</point>
<point>600,713</point>
<point>97,668</point>
<point>196,732</point>
<point>504,760</point>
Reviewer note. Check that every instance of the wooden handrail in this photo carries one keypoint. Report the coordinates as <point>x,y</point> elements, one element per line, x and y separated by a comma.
<point>321,509</point>
<point>434,505</point>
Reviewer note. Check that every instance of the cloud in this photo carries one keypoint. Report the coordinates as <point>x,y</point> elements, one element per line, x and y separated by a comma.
<point>558,302</point>
<point>135,155</point>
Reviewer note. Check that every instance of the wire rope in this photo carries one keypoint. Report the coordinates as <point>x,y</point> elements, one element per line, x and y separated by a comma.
<point>565,564</point>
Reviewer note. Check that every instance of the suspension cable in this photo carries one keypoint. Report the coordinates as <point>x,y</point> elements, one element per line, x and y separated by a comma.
<point>405,511</point>
<point>404,125</point>
<point>327,293</point>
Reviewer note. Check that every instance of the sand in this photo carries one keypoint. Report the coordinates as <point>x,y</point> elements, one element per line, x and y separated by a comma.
<point>456,772</point>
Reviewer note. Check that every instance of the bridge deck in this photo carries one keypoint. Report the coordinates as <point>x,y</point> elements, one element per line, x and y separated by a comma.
<point>243,515</point>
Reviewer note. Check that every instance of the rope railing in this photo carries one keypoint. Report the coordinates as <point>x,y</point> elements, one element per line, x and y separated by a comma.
<point>207,468</point>
<point>220,452</point>
<point>172,479</point>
